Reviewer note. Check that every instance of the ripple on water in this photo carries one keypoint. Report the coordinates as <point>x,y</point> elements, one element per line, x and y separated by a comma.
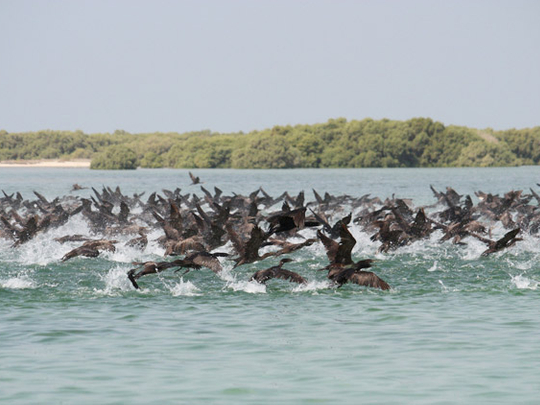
<point>456,327</point>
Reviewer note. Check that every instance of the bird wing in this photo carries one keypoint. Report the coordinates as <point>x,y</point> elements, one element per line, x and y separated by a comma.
<point>346,245</point>
<point>71,254</point>
<point>535,195</point>
<point>507,238</point>
<point>207,260</point>
<point>101,244</point>
<point>299,217</point>
<point>87,251</point>
<point>263,276</point>
<point>254,243</point>
<point>420,225</point>
<point>368,279</point>
<point>317,197</point>
<point>124,212</point>
<point>235,239</point>
<point>290,276</point>
<point>322,220</point>
<point>330,245</point>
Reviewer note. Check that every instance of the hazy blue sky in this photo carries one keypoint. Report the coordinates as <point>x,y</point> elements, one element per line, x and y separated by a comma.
<point>146,66</point>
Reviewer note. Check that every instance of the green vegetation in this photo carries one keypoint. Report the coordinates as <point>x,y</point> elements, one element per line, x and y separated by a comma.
<point>116,157</point>
<point>418,142</point>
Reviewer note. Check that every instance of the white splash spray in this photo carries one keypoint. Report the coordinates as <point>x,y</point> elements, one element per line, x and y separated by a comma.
<point>524,283</point>
<point>184,288</point>
<point>20,282</point>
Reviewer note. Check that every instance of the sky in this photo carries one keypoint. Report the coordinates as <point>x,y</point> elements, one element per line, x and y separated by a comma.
<point>242,65</point>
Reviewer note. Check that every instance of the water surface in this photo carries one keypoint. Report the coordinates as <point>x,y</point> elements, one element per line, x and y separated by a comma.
<point>455,328</point>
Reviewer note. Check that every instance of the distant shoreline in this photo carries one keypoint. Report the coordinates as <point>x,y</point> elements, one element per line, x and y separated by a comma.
<point>51,163</point>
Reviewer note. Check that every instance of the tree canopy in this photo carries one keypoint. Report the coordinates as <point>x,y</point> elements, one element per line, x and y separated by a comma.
<point>116,157</point>
<point>418,142</point>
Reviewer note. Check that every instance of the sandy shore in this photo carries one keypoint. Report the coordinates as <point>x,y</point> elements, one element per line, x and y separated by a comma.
<point>79,163</point>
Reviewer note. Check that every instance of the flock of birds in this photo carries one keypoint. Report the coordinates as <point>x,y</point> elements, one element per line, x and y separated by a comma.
<point>196,228</point>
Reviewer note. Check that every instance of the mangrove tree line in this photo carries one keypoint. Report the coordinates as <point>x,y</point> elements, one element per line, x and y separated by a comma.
<point>418,142</point>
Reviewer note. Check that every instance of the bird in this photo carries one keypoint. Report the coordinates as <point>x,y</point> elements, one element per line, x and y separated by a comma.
<point>353,273</point>
<point>339,252</point>
<point>77,187</point>
<point>248,250</point>
<point>147,268</point>
<point>175,247</point>
<point>72,238</point>
<point>86,251</point>
<point>91,248</point>
<point>287,220</point>
<point>509,239</point>
<point>288,247</point>
<point>201,259</point>
<point>342,268</point>
<point>262,276</point>
<point>193,261</point>
<point>194,180</point>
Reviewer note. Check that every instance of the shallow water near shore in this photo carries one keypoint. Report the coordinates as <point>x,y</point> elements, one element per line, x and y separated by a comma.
<point>455,327</point>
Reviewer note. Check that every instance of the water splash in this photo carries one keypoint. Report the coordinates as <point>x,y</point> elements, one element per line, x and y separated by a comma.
<point>434,267</point>
<point>184,288</point>
<point>115,281</point>
<point>234,284</point>
<point>20,282</point>
<point>251,287</point>
<point>313,286</point>
<point>524,283</point>
<point>473,250</point>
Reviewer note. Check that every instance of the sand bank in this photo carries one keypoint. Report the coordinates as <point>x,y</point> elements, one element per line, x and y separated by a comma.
<point>78,163</point>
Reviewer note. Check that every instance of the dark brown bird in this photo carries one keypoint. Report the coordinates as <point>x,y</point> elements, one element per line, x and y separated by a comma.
<point>342,269</point>
<point>77,187</point>
<point>201,259</point>
<point>339,252</point>
<point>287,220</point>
<point>248,251</point>
<point>509,239</point>
<point>86,251</point>
<point>333,231</point>
<point>353,273</point>
<point>72,238</point>
<point>287,247</point>
<point>194,180</point>
<point>148,268</point>
<point>193,243</point>
<point>262,276</point>
<point>193,261</point>
<point>91,248</point>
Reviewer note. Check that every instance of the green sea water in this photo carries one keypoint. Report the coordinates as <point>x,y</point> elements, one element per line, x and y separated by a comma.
<point>455,327</point>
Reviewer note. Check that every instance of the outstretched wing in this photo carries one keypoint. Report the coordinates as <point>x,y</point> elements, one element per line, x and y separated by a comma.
<point>360,277</point>
<point>368,279</point>
<point>290,276</point>
<point>330,245</point>
<point>194,179</point>
<point>346,245</point>
<point>263,276</point>
<point>81,251</point>
<point>503,242</point>
<point>235,239</point>
<point>207,260</point>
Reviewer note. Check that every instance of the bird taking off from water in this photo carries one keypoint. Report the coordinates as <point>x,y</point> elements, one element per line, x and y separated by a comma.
<point>194,180</point>
<point>262,276</point>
